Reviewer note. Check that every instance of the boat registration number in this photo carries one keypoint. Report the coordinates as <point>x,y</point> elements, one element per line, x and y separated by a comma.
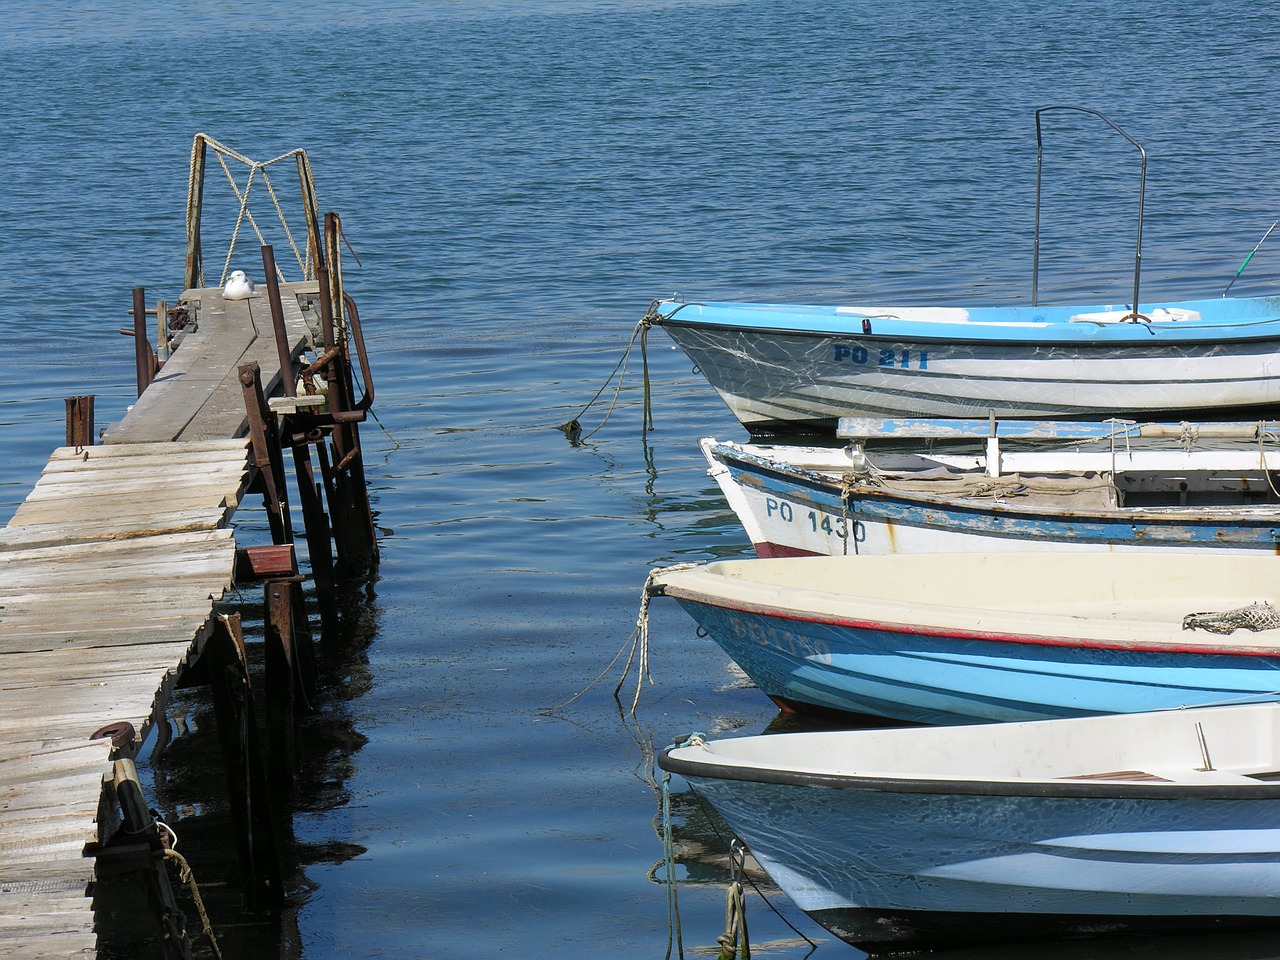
<point>796,645</point>
<point>904,359</point>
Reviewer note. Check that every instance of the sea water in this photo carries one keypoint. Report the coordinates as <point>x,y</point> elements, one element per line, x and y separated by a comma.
<point>518,180</point>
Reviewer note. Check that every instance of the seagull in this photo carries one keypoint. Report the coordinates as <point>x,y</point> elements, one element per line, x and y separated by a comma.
<point>239,287</point>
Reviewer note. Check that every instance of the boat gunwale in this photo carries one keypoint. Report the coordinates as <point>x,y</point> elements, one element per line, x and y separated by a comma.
<point>969,332</point>
<point>1257,515</point>
<point>1064,788</point>
<point>661,586</point>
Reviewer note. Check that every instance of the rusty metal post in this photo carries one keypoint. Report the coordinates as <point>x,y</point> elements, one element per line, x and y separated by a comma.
<point>80,421</point>
<point>251,805</point>
<point>280,679</point>
<point>318,533</point>
<point>353,531</point>
<point>288,381</point>
<point>143,358</point>
<point>265,443</point>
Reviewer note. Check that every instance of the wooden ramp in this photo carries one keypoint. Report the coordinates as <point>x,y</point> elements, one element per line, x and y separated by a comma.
<point>108,573</point>
<point>196,396</point>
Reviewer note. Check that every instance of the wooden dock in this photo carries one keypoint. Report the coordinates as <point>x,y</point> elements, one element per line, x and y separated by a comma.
<point>109,572</point>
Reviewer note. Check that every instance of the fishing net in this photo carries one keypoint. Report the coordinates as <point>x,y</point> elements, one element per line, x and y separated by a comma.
<point>1255,617</point>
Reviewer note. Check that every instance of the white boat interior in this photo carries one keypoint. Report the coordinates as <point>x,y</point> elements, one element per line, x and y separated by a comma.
<point>1206,745</point>
<point>1117,600</point>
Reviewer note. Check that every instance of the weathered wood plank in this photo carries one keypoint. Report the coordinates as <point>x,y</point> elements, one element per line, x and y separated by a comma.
<point>32,535</point>
<point>128,451</point>
<point>109,571</point>
<point>197,395</point>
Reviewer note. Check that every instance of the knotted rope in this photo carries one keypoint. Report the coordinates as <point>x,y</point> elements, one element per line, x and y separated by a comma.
<point>735,909</point>
<point>639,644</point>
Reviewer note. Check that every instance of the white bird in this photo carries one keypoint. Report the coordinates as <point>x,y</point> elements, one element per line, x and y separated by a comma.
<point>239,287</point>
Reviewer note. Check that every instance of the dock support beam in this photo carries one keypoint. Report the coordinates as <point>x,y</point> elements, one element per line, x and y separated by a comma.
<point>265,442</point>
<point>136,847</point>
<point>251,805</point>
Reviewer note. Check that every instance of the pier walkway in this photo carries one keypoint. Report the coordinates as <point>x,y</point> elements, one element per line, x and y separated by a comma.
<point>109,572</point>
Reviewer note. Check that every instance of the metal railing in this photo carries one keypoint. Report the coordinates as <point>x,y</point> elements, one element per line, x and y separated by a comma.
<point>1142,187</point>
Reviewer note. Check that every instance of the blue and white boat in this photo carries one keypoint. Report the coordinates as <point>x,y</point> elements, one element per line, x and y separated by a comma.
<point>1111,486</point>
<point>785,368</point>
<point>944,836</point>
<point>946,638</point>
<point>797,369</point>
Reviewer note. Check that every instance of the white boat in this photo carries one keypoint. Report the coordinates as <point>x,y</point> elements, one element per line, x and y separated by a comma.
<point>797,368</point>
<point>964,638</point>
<point>786,369</point>
<point>909,838</point>
<point>975,486</point>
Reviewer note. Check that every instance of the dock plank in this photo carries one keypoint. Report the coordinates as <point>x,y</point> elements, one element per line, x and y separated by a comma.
<point>196,395</point>
<point>109,573</point>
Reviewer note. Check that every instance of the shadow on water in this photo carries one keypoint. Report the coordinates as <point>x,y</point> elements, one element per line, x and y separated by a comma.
<point>190,792</point>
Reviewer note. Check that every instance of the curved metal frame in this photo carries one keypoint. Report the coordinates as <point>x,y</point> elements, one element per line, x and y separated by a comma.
<point>1142,188</point>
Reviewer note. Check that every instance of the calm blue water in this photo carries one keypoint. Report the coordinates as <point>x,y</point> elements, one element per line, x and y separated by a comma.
<point>519,179</point>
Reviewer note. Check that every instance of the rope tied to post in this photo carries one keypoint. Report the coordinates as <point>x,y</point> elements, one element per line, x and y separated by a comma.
<point>185,875</point>
<point>735,908</point>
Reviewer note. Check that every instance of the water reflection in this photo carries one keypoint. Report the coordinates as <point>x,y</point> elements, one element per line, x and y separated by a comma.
<point>189,790</point>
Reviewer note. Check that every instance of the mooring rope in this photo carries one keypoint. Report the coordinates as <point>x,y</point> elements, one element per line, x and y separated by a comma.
<point>674,934</point>
<point>186,876</point>
<point>735,909</point>
<point>573,428</point>
<point>638,642</point>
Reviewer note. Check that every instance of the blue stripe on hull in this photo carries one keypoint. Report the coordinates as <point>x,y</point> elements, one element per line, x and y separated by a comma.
<point>940,680</point>
<point>879,867</point>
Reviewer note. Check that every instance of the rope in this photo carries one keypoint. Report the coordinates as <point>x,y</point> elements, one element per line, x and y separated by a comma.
<point>639,644</point>
<point>735,909</point>
<point>712,817</point>
<point>573,428</point>
<point>674,936</point>
<point>223,152</point>
<point>185,876</point>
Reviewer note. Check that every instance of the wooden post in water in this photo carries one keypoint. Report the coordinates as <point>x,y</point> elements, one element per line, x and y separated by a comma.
<point>251,805</point>
<point>143,358</point>
<point>318,533</point>
<point>135,846</point>
<point>266,452</point>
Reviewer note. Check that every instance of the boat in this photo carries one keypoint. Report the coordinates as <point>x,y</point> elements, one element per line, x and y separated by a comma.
<point>797,368</point>
<point>947,638</point>
<point>1105,486</point>
<point>910,838</point>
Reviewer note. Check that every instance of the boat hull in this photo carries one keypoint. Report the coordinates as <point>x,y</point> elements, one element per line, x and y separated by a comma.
<point>883,869</point>
<point>790,511</point>
<point>951,639</point>
<point>909,674</point>
<point>798,370</point>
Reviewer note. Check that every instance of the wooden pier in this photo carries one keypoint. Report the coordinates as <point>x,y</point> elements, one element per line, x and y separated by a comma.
<point>110,573</point>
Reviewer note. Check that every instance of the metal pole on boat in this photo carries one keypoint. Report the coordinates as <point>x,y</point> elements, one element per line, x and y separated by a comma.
<point>1142,189</point>
<point>1250,257</point>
